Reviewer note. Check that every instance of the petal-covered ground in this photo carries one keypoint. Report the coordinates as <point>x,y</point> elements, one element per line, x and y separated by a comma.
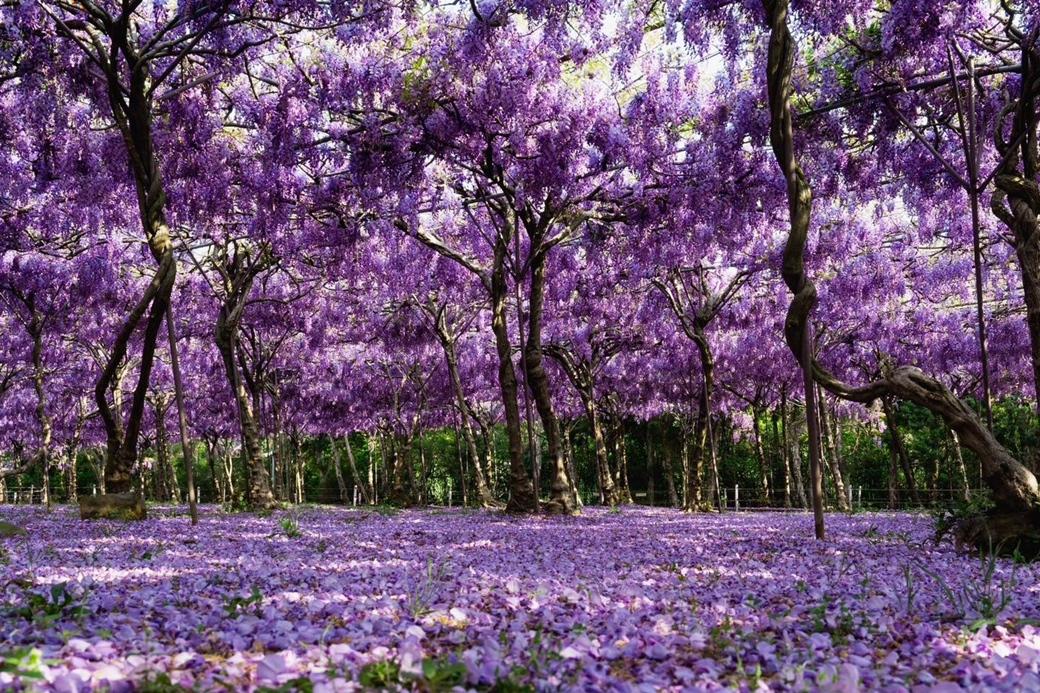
<point>636,599</point>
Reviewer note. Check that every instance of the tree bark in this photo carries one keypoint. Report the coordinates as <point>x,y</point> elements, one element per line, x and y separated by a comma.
<point>365,489</point>
<point>794,425</point>
<point>763,467</point>
<point>1016,198</point>
<point>187,449</point>
<point>43,417</point>
<point>521,490</point>
<point>896,440</point>
<point>832,458</point>
<point>483,494</point>
<point>239,281</point>
<point>562,496</point>
<point>341,485</point>
<point>668,451</point>
<point>1015,489</point>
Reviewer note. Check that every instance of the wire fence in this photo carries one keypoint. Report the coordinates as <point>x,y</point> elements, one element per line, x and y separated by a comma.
<point>733,498</point>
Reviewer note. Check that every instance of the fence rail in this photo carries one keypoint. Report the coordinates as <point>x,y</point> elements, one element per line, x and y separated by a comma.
<point>734,498</point>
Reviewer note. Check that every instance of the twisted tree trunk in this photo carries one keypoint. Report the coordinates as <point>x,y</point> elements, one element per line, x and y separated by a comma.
<point>1015,523</point>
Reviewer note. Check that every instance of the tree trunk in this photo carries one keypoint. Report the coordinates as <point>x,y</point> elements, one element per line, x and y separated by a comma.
<point>187,449</point>
<point>785,462</point>
<point>562,496</point>
<point>131,107</point>
<point>763,467</point>
<point>226,337</point>
<point>624,490</point>
<point>1016,197</point>
<point>161,472</point>
<point>366,489</point>
<point>521,490</point>
<point>572,467</point>
<point>669,472</point>
<point>695,475</point>
<point>43,417</point>
<point>961,468</point>
<point>341,485</point>
<point>649,469</point>
<point>609,493</point>
<point>893,478</point>
<point>1015,520</point>
<point>896,440</point>
<point>215,475</point>
<point>832,460</point>
<point>484,496</point>
<point>794,426</point>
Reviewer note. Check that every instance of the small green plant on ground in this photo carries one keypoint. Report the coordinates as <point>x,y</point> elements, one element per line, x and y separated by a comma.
<point>25,663</point>
<point>381,674</point>
<point>290,525</point>
<point>238,605</point>
<point>45,609</point>
<point>984,596</point>
<point>420,600</point>
<point>948,516</point>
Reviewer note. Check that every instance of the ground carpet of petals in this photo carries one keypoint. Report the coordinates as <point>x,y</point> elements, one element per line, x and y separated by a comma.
<point>636,599</point>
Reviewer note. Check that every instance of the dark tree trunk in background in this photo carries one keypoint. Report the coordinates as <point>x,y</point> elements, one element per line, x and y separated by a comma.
<point>695,477</point>
<point>341,484</point>
<point>668,451</point>
<point>187,448</point>
<point>785,462</point>
<point>43,417</point>
<point>794,426</point>
<point>893,478</point>
<point>831,458</point>
<point>649,468</point>
<point>763,465</point>
<point>484,497</point>
<point>896,441</point>
<point>363,488</point>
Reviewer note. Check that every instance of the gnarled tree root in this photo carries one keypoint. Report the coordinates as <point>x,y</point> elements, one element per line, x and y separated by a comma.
<point>112,506</point>
<point>1003,533</point>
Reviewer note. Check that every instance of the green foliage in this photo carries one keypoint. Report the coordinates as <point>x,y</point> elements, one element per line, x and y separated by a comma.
<point>443,674</point>
<point>159,682</point>
<point>381,674</point>
<point>45,609</point>
<point>984,597</point>
<point>290,525</point>
<point>238,605</point>
<point>25,663</point>
<point>8,530</point>
<point>422,597</point>
<point>300,684</point>
<point>512,683</point>
<point>948,516</point>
